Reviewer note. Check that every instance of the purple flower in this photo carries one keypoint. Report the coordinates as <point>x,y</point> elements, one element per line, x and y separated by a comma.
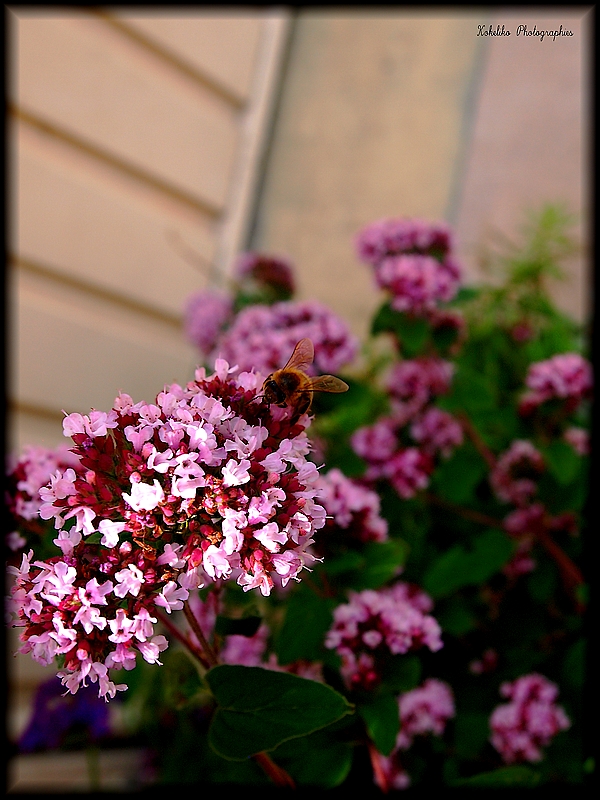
<point>263,337</point>
<point>522,727</point>
<point>206,314</point>
<point>257,270</point>
<point>55,715</point>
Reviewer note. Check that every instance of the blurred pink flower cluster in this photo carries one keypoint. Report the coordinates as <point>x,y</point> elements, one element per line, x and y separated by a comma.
<point>529,721</point>
<point>263,337</point>
<point>424,710</point>
<point>412,386</point>
<point>566,377</point>
<point>412,260</point>
<point>205,484</point>
<point>25,478</point>
<point>206,315</point>
<point>351,508</point>
<point>376,624</point>
<point>261,269</point>
<point>513,478</point>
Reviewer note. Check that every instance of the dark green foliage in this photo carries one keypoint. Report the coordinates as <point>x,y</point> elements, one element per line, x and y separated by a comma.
<point>258,709</point>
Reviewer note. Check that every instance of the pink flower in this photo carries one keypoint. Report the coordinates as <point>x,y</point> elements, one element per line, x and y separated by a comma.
<point>412,260</point>
<point>522,727</point>
<point>408,471</point>
<point>374,624</point>
<point>352,510</point>
<point>195,503</point>
<point>437,432</point>
<point>258,270</point>
<point>513,479</point>
<point>388,237</point>
<point>567,376</point>
<point>424,710</point>
<point>579,439</point>
<point>263,337</point>
<point>206,314</point>
<point>414,383</point>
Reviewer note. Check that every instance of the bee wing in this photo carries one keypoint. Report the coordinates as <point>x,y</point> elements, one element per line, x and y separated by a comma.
<point>328,383</point>
<point>303,355</point>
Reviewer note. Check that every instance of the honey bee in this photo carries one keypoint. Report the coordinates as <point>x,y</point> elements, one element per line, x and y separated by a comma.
<point>292,386</point>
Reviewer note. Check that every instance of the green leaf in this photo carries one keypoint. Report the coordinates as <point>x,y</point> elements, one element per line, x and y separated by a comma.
<point>182,683</point>
<point>382,718</point>
<point>471,391</point>
<point>471,733</point>
<point>456,478</point>
<point>574,664</point>
<point>563,462</point>
<point>412,332</point>
<point>316,760</point>
<point>383,561</point>
<point>459,567</point>
<point>401,673</point>
<point>307,620</point>
<point>517,776</point>
<point>455,617</point>
<point>244,626</point>
<point>259,709</point>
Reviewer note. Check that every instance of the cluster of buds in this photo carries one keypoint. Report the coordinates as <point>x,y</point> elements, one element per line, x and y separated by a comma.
<point>375,624</point>
<point>205,484</point>
<point>529,721</point>
<point>412,260</point>
<point>386,446</point>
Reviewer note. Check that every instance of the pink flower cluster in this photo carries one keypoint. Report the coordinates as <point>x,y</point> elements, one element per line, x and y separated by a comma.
<point>513,478</point>
<point>529,721</point>
<point>206,315</point>
<point>263,337</point>
<point>412,261</point>
<point>424,710</point>
<point>24,480</point>
<point>351,509</point>
<point>204,484</point>
<point>375,624</point>
<point>566,377</point>
<point>412,385</point>
<point>266,270</point>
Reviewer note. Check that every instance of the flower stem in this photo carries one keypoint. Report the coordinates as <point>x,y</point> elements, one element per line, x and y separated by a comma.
<point>474,435</point>
<point>209,653</point>
<point>185,641</point>
<point>278,775</point>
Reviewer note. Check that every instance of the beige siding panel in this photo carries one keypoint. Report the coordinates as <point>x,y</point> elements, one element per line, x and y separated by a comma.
<point>29,426</point>
<point>369,126</point>
<point>75,351</point>
<point>122,99</point>
<point>104,229</point>
<point>222,47</point>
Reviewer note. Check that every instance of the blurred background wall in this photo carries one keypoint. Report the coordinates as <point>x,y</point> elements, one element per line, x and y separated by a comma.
<point>137,137</point>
